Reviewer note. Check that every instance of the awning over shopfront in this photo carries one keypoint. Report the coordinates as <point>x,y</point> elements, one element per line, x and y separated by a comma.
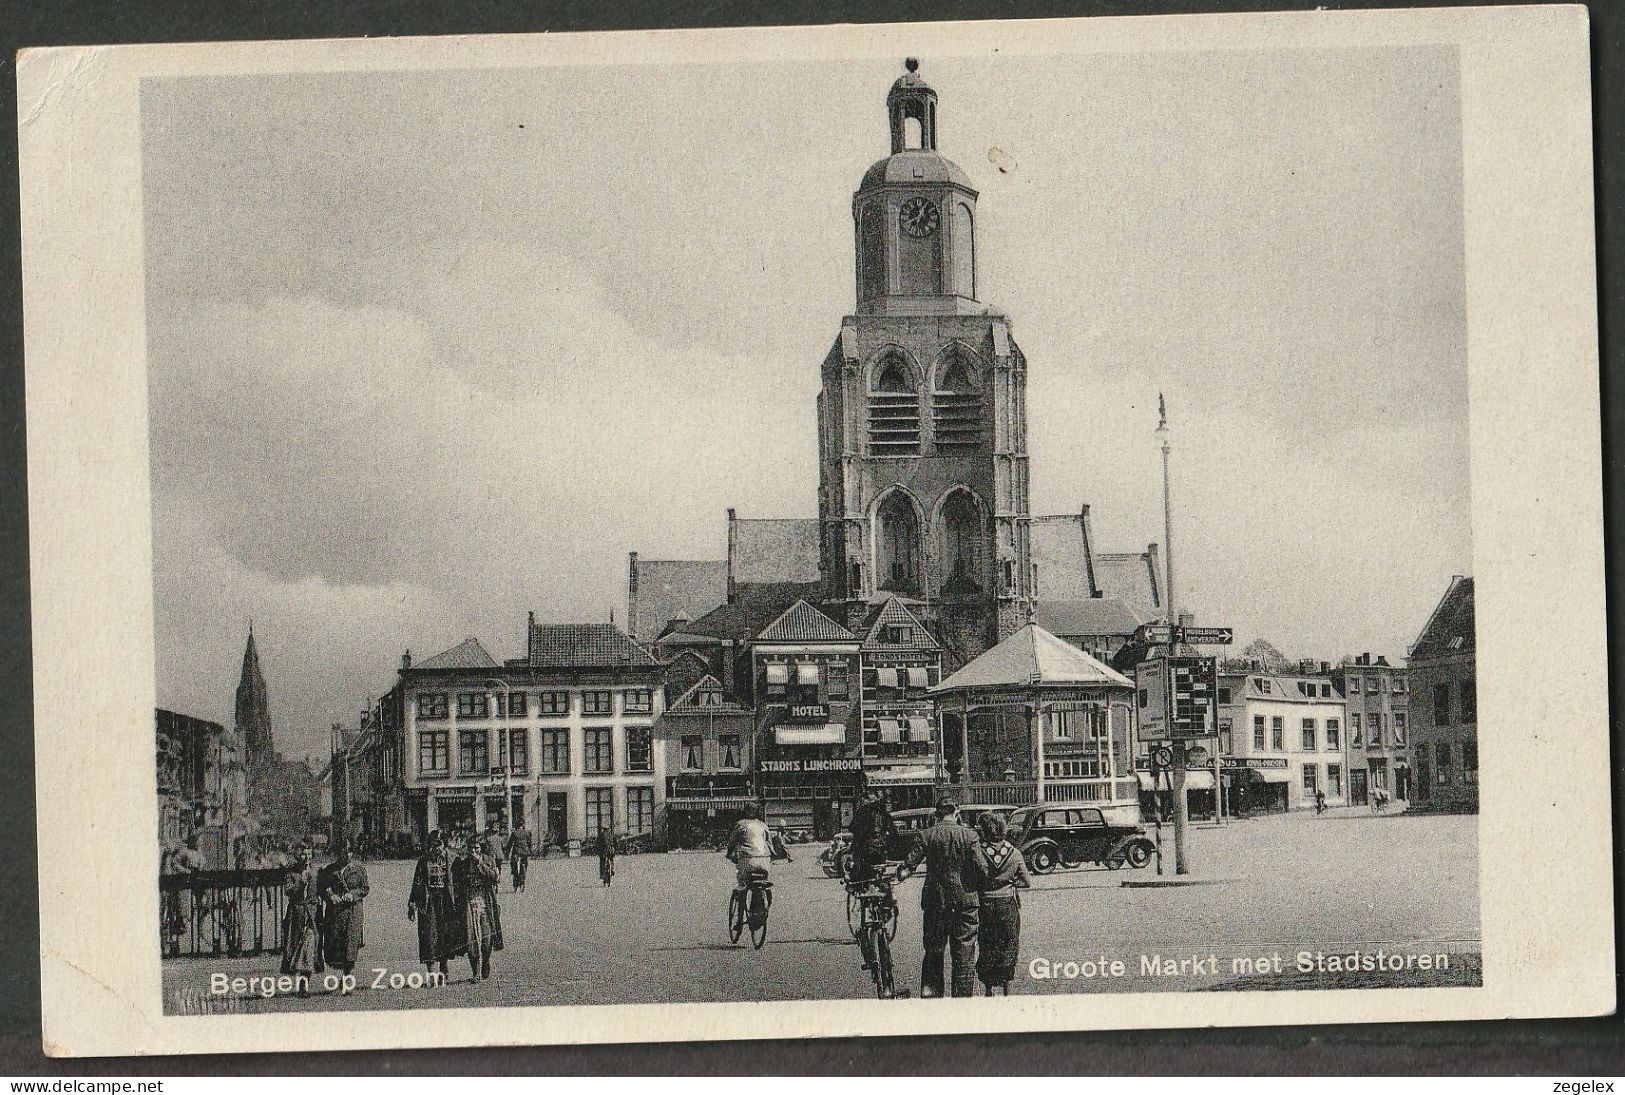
<point>830,733</point>
<point>778,673</point>
<point>693,804</point>
<point>914,773</point>
<point>890,731</point>
<point>806,672</point>
<point>918,678</point>
<point>886,678</point>
<point>919,728</point>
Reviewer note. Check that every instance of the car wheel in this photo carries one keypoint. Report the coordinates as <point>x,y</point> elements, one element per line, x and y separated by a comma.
<point>1042,858</point>
<point>1139,853</point>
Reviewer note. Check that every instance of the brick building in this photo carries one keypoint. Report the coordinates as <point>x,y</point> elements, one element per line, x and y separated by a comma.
<point>1377,697</point>
<point>1444,719</point>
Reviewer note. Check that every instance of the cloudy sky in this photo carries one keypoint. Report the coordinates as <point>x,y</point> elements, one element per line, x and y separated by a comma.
<point>430,350</point>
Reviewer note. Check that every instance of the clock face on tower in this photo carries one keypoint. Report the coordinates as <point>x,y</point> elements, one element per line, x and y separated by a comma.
<point>918,217</point>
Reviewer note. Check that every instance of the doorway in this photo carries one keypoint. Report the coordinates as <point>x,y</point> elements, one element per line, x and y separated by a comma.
<point>1358,795</point>
<point>558,813</point>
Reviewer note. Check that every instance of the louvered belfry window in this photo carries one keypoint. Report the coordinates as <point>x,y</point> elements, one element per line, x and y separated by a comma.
<point>956,407</point>
<point>894,411</point>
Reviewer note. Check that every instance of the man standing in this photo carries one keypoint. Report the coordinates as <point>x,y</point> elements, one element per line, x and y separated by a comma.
<point>950,900</point>
<point>343,886</point>
<point>493,843</point>
<point>519,852</point>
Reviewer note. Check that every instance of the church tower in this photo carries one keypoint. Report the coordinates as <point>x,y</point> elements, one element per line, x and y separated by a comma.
<point>254,712</point>
<point>922,418</point>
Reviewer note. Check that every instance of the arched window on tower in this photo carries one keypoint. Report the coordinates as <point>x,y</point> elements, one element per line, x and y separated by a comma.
<point>962,225</point>
<point>956,405</point>
<point>894,410</point>
<point>897,544</point>
<point>962,547</point>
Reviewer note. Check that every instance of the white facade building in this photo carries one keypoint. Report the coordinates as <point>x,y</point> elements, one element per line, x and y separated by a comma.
<point>1283,738</point>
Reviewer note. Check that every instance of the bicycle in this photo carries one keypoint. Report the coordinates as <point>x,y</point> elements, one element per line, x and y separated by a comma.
<point>750,907</point>
<point>876,928</point>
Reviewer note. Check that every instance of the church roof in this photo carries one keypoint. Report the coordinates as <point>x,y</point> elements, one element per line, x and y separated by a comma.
<point>915,166</point>
<point>1033,658</point>
<point>1092,616</point>
<point>802,623</point>
<point>1131,577</point>
<point>772,549</point>
<point>585,646</point>
<point>468,654</point>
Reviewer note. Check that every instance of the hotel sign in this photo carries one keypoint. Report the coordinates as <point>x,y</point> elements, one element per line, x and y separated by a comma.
<point>808,712</point>
<point>836,764</point>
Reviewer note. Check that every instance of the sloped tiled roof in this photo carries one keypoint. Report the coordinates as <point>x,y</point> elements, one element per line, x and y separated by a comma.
<point>1094,616</point>
<point>894,613</point>
<point>773,549</point>
<point>468,654</point>
<point>802,623</point>
<point>667,589</point>
<point>1130,577</point>
<point>1059,547</point>
<point>686,705</point>
<point>585,646</point>
<point>755,605</point>
<point>1452,628</point>
<point>1033,658</point>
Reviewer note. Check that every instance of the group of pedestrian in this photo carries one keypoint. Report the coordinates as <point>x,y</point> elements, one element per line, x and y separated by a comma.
<point>323,924</point>
<point>970,902</point>
<point>454,900</point>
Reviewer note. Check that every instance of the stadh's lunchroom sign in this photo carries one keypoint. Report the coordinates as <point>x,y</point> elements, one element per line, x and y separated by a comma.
<point>836,764</point>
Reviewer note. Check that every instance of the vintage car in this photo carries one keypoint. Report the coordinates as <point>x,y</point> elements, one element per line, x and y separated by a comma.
<point>1066,835</point>
<point>837,858</point>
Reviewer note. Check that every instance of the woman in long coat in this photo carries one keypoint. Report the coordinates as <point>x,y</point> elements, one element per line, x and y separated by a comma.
<point>433,905</point>
<point>998,932</point>
<point>343,885</point>
<point>475,876</point>
<point>301,922</point>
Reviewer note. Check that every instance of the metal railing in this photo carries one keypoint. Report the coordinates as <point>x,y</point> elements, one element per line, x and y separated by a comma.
<point>221,914</point>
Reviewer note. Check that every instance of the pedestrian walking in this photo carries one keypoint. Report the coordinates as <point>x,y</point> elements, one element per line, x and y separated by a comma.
<point>343,886</point>
<point>949,900</point>
<point>495,845</point>
<point>519,853</point>
<point>301,922</point>
<point>609,846</point>
<point>998,933</point>
<point>474,877</point>
<point>1320,802</point>
<point>442,935</point>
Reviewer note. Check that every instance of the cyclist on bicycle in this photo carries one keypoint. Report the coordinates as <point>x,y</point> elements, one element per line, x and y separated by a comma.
<point>750,848</point>
<point>872,831</point>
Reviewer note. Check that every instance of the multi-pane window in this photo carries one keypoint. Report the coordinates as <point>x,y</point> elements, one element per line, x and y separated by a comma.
<point>1371,685</point>
<point>1278,734</point>
<point>640,810</point>
<point>639,750</point>
<point>693,752</point>
<point>1354,685</point>
<point>473,752</point>
<point>637,701</point>
<point>1469,701</point>
<point>1441,760</point>
<point>1310,772</point>
<point>1334,735</point>
<point>518,753</point>
<point>1258,733</point>
<point>434,751</point>
<point>597,703</point>
<point>1264,685</point>
<point>730,748</point>
<point>431,705</point>
<point>1334,780</point>
<point>1224,697</point>
<point>473,705</point>
<point>600,811</point>
<point>1469,762</point>
<point>1356,730</point>
<point>835,681</point>
<point>553,703</point>
<point>1441,708</point>
<point>597,753</point>
<point>511,704</point>
<point>1373,733</point>
<point>1308,734</point>
<point>1399,728</point>
<point>553,752</point>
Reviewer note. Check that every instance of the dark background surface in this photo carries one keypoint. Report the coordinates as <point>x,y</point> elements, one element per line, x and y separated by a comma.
<point>1557,1048</point>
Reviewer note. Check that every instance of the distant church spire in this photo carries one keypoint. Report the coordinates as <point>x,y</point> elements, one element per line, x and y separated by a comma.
<point>254,709</point>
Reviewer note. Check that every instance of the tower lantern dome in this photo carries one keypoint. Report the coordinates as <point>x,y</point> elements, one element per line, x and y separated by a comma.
<point>915,213</point>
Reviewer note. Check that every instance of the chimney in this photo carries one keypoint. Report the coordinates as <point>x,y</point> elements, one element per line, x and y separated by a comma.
<point>733,542</point>
<point>1382,660</point>
<point>406,660</point>
<point>1325,667</point>
<point>632,594</point>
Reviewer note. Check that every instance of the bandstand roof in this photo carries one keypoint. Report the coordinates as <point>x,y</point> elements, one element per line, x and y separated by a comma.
<point>1033,658</point>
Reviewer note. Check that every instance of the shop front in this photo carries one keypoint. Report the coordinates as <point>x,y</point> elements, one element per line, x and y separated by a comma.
<point>811,796</point>
<point>1255,785</point>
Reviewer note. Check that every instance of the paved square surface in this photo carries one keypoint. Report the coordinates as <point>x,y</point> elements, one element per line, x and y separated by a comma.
<point>1343,882</point>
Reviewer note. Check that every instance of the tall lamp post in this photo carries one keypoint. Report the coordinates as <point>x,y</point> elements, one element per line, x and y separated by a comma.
<point>1181,810</point>
<point>503,751</point>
